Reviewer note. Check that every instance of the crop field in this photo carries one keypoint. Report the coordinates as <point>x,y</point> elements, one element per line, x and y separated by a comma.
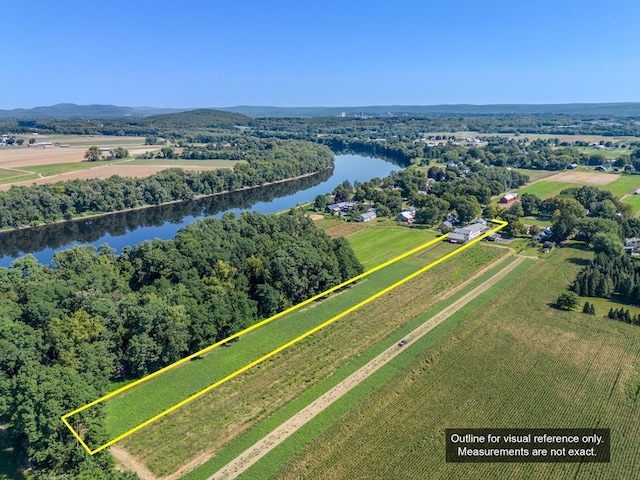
<point>513,361</point>
<point>18,157</point>
<point>235,406</point>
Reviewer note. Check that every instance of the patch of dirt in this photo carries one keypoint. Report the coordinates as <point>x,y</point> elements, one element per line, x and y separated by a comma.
<point>346,228</point>
<point>582,178</point>
<point>125,461</point>
<point>32,156</point>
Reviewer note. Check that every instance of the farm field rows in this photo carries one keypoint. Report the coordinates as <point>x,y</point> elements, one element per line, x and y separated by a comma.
<point>236,405</point>
<point>512,362</point>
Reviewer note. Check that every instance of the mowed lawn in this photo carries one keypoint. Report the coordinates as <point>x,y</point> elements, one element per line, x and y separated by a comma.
<point>213,421</point>
<point>513,362</point>
<point>377,244</point>
<point>544,189</point>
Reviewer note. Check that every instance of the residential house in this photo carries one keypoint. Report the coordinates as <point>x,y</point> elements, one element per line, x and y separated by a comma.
<point>632,245</point>
<point>340,207</point>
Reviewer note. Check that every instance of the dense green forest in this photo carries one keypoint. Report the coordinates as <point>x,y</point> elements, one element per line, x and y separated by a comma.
<point>275,160</point>
<point>66,331</point>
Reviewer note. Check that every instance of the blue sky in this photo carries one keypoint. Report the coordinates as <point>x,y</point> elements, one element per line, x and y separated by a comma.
<point>208,53</point>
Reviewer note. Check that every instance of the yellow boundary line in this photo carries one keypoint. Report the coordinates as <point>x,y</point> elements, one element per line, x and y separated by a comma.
<point>501,224</point>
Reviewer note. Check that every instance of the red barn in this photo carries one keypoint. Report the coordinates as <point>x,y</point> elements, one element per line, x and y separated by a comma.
<point>509,198</point>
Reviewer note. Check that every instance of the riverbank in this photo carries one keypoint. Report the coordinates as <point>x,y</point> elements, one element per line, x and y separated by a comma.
<point>171,202</point>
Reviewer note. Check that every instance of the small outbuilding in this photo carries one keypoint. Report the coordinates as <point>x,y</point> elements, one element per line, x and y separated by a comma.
<point>367,216</point>
<point>405,217</point>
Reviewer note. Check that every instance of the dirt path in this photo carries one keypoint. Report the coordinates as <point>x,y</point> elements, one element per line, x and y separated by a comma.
<point>277,436</point>
<point>129,462</point>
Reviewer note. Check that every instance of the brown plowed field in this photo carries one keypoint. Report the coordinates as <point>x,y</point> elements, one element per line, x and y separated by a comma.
<point>583,178</point>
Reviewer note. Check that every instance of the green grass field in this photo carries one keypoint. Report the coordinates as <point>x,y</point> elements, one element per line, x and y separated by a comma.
<point>544,189</point>
<point>634,201</point>
<point>623,185</point>
<point>513,361</point>
<point>606,153</point>
<point>396,239</point>
<point>58,168</point>
<point>8,173</point>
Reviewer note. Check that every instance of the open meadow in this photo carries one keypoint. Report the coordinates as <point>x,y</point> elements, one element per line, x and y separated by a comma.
<point>512,361</point>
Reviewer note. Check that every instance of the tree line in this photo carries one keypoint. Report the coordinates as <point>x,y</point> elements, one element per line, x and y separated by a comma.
<point>67,330</point>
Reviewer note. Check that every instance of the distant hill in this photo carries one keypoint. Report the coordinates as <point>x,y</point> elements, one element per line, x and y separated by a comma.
<point>203,118</point>
<point>626,109</point>
<point>70,110</point>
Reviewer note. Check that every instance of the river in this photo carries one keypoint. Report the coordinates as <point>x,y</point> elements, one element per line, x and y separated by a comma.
<point>130,228</point>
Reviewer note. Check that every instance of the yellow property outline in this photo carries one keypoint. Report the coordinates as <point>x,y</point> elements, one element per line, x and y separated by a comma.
<point>501,225</point>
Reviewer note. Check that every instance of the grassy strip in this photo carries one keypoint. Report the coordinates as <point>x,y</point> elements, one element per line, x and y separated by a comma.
<point>6,173</point>
<point>237,446</point>
<point>21,178</point>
